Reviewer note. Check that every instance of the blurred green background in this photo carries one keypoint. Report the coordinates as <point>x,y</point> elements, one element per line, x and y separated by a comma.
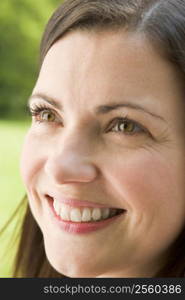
<point>21,26</point>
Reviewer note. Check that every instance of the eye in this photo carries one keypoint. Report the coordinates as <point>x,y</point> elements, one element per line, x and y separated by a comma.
<point>43,114</point>
<point>47,116</point>
<point>125,126</point>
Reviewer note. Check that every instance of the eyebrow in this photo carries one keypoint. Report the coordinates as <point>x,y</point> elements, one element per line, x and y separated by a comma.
<point>48,99</point>
<point>101,109</point>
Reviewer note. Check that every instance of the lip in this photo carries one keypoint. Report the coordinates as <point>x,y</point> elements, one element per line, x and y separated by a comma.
<point>80,228</point>
<point>77,203</point>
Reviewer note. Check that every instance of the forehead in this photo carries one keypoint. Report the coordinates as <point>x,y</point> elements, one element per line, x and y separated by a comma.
<point>106,65</point>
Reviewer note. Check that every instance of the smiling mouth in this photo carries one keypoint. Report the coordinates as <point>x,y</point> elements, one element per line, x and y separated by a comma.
<point>83,214</point>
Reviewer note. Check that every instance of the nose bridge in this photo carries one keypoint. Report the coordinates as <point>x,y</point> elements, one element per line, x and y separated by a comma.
<point>72,158</point>
<point>77,143</point>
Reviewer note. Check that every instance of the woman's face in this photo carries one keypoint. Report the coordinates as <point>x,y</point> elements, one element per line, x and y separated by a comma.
<point>107,133</point>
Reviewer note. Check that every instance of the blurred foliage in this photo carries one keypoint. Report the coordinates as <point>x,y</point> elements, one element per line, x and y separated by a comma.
<point>22,23</point>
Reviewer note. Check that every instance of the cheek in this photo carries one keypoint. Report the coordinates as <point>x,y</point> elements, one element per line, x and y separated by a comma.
<point>148,188</point>
<point>32,158</point>
<point>147,184</point>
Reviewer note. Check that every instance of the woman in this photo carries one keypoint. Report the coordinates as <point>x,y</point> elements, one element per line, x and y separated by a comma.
<point>103,162</point>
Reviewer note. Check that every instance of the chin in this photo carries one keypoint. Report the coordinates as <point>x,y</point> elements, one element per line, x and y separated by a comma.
<point>72,267</point>
<point>73,270</point>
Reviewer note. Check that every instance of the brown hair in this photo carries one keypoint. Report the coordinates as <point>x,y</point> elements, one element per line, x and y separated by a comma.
<point>163,24</point>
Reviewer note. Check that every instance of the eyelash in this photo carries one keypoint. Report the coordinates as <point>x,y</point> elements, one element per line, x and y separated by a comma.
<point>38,109</point>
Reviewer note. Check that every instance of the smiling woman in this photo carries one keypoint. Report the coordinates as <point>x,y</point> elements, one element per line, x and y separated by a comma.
<point>106,146</point>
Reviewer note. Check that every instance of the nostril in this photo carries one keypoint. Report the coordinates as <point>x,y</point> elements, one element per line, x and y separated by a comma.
<point>71,170</point>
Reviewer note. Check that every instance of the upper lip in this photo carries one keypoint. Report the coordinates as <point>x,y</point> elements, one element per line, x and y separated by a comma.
<point>77,202</point>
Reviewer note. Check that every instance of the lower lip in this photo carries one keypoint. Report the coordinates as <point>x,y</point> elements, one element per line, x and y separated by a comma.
<point>79,228</point>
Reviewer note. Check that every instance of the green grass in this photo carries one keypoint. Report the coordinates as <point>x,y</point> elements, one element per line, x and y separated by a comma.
<point>12,190</point>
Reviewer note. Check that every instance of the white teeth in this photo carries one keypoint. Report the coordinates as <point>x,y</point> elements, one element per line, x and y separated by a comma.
<point>86,215</point>
<point>75,215</point>
<point>64,213</point>
<point>96,214</point>
<point>56,206</point>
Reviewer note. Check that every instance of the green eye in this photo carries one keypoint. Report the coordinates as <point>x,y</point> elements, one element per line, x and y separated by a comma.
<point>47,116</point>
<point>125,125</point>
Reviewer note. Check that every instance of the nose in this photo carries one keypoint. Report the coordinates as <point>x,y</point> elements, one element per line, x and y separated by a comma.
<point>72,161</point>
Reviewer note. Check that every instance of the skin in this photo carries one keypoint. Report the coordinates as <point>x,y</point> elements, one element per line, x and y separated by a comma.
<point>78,154</point>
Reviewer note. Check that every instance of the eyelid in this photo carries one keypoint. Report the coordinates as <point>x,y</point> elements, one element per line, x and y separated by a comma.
<point>36,108</point>
<point>40,104</point>
<point>126,118</point>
